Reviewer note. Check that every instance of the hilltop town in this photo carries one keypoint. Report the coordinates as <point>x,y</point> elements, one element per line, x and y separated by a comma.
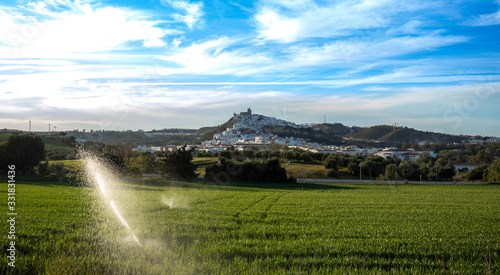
<point>246,130</point>
<point>253,131</point>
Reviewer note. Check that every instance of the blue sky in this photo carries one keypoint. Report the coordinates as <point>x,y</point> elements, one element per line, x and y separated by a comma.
<point>429,65</point>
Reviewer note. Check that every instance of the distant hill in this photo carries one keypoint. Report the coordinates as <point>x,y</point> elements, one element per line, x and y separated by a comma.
<point>399,135</point>
<point>337,129</point>
<point>324,133</point>
<point>306,133</point>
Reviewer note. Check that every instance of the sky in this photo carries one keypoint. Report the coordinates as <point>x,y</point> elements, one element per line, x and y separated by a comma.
<point>154,64</point>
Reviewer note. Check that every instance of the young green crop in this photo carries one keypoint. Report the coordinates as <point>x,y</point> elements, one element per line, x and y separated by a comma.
<point>234,229</point>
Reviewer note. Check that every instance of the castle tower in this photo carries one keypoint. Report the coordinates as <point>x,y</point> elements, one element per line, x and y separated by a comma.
<point>249,111</point>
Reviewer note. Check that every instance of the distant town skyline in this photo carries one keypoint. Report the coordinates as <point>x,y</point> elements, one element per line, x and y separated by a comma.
<point>120,65</point>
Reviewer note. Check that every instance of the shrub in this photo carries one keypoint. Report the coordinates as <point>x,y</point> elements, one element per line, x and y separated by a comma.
<point>476,173</point>
<point>268,170</point>
<point>331,173</point>
<point>178,165</point>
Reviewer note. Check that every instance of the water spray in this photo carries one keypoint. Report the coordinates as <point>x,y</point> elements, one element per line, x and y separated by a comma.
<point>96,172</point>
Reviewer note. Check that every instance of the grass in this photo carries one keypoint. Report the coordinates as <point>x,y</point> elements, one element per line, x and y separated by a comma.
<point>49,144</point>
<point>297,170</point>
<point>56,145</point>
<point>4,137</point>
<point>203,162</point>
<point>192,228</point>
<point>306,171</point>
<point>74,165</point>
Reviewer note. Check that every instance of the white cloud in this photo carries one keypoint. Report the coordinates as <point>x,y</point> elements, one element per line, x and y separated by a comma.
<point>78,29</point>
<point>277,27</point>
<point>411,27</point>
<point>307,19</point>
<point>214,57</point>
<point>353,50</point>
<point>191,12</point>
<point>484,20</point>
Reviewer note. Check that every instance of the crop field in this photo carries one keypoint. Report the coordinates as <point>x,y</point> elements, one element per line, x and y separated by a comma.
<point>193,228</point>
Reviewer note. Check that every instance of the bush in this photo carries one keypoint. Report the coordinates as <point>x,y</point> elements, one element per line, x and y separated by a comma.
<point>24,151</point>
<point>476,173</point>
<point>331,173</point>
<point>409,171</point>
<point>178,165</point>
<point>59,170</point>
<point>331,162</point>
<point>268,170</point>
<point>494,172</point>
<point>61,154</point>
<point>225,154</point>
<point>43,168</point>
<point>353,168</point>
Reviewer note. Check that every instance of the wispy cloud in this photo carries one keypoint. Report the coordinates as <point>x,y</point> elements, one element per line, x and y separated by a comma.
<point>485,20</point>
<point>216,57</point>
<point>191,13</point>
<point>287,21</point>
<point>349,50</point>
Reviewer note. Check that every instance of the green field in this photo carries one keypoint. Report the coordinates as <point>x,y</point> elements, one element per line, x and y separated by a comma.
<point>50,144</point>
<point>193,228</point>
<point>4,137</point>
<point>56,145</point>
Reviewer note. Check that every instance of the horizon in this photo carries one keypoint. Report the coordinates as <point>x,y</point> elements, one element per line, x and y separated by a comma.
<point>195,129</point>
<point>107,65</point>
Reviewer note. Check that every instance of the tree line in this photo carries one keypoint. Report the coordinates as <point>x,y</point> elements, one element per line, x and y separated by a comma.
<point>27,152</point>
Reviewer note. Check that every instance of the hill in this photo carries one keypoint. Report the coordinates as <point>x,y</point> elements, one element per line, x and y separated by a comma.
<point>248,127</point>
<point>399,135</point>
<point>251,125</point>
<point>325,133</point>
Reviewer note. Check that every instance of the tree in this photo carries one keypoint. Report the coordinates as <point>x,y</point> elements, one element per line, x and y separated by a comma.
<point>25,152</point>
<point>390,171</point>
<point>353,168</point>
<point>225,154</point>
<point>494,172</point>
<point>446,172</point>
<point>476,173</point>
<point>256,171</point>
<point>249,154</point>
<point>59,170</point>
<point>409,171</point>
<point>3,156</point>
<point>372,168</point>
<point>147,162</point>
<point>306,157</point>
<point>332,162</point>
<point>483,156</point>
<point>178,165</point>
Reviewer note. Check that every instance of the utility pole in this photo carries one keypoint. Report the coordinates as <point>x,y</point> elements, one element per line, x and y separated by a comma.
<point>49,128</point>
<point>30,127</point>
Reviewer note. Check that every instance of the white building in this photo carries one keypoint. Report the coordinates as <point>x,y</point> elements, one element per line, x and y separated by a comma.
<point>142,148</point>
<point>404,154</point>
<point>466,166</point>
